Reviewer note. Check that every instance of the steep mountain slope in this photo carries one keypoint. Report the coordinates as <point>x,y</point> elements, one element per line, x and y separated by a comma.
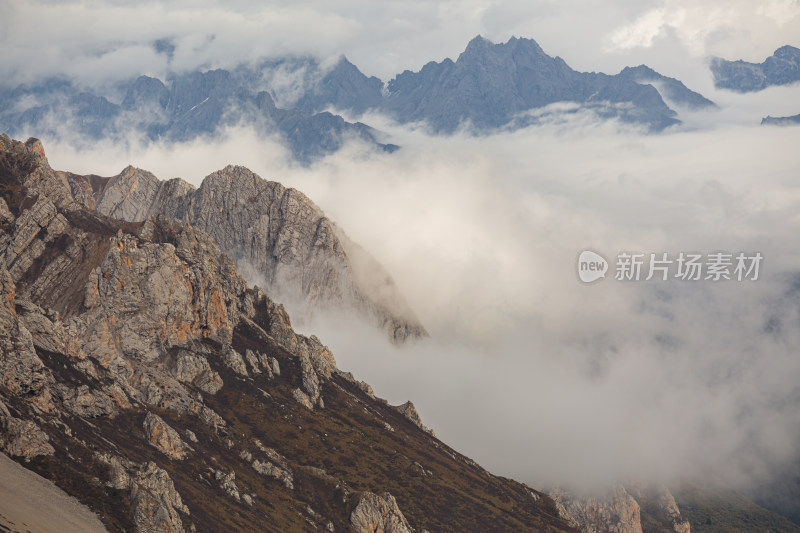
<point>781,68</point>
<point>189,106</point>
<point>672,90</point>
<point>341,87</point>
<point>276,236</point>
<point>141,374</point>
<point>622,509</point>
<point>714,510</point>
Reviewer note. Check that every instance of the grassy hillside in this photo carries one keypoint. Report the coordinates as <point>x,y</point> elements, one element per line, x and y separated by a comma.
<point>724,511</point>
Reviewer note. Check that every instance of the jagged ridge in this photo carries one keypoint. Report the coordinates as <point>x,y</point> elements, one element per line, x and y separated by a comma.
<point>492,85</point>
<point>189,106</point>
<point>488,86</point>
<point>276,235</point>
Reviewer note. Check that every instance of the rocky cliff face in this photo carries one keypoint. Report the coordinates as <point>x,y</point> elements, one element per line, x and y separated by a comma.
<point>277,236</point>
<point>614,512</point>
<point>658,509</point>
<point>621,509</point>
<point>143,375</point>
<point>378,513</point>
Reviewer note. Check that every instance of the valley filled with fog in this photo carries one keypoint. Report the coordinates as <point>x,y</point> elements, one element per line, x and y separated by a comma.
<point>529,371</point>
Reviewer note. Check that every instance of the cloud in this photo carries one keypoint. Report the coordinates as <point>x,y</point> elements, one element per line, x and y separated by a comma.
<point>731,29</point>
<point>528,371</point>
<point>642,32</point>
<point>540,377</point>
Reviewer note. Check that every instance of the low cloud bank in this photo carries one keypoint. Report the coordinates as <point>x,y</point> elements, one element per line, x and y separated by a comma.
<point>532,373</point>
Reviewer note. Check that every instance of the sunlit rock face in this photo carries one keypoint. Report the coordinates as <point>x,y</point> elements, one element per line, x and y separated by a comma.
<point>276,235</point>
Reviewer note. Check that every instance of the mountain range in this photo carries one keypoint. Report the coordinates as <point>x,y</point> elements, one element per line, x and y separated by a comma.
<point>781,68</point>
<point>489,86</point>
<point>193,105</point>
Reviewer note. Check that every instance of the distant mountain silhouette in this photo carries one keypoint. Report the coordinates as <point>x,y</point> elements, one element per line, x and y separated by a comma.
<point>489,86</point>
<point>781,68</point>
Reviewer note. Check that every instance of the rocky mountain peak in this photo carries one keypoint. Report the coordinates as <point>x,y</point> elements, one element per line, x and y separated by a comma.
<point>146,91</point>
<point>639,70</point>
<point>482,49</point>
<point>495,85</point>
<point>781,68</point>
<point>788,52</point>
<point>277,236</point>
<point>477,45</point>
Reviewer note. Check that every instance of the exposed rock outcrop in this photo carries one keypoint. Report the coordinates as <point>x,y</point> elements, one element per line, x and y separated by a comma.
<point>23,438</point>
<point>6,217</point>
<point>156,503</point>
<point>194,369</point>
<point>409,411</point>
<point>266,468</point>
<point>21,370</point>
<point>227,481</point>
<point>622,509</point>
<point>275,235</point>
<point>614,512</point>
<point>658,501</point>
<point>378,514</point>
<point>164,438</point>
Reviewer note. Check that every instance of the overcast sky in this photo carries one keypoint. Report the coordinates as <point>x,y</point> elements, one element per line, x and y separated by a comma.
<point>533,374</point>
<point>93,40</point>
